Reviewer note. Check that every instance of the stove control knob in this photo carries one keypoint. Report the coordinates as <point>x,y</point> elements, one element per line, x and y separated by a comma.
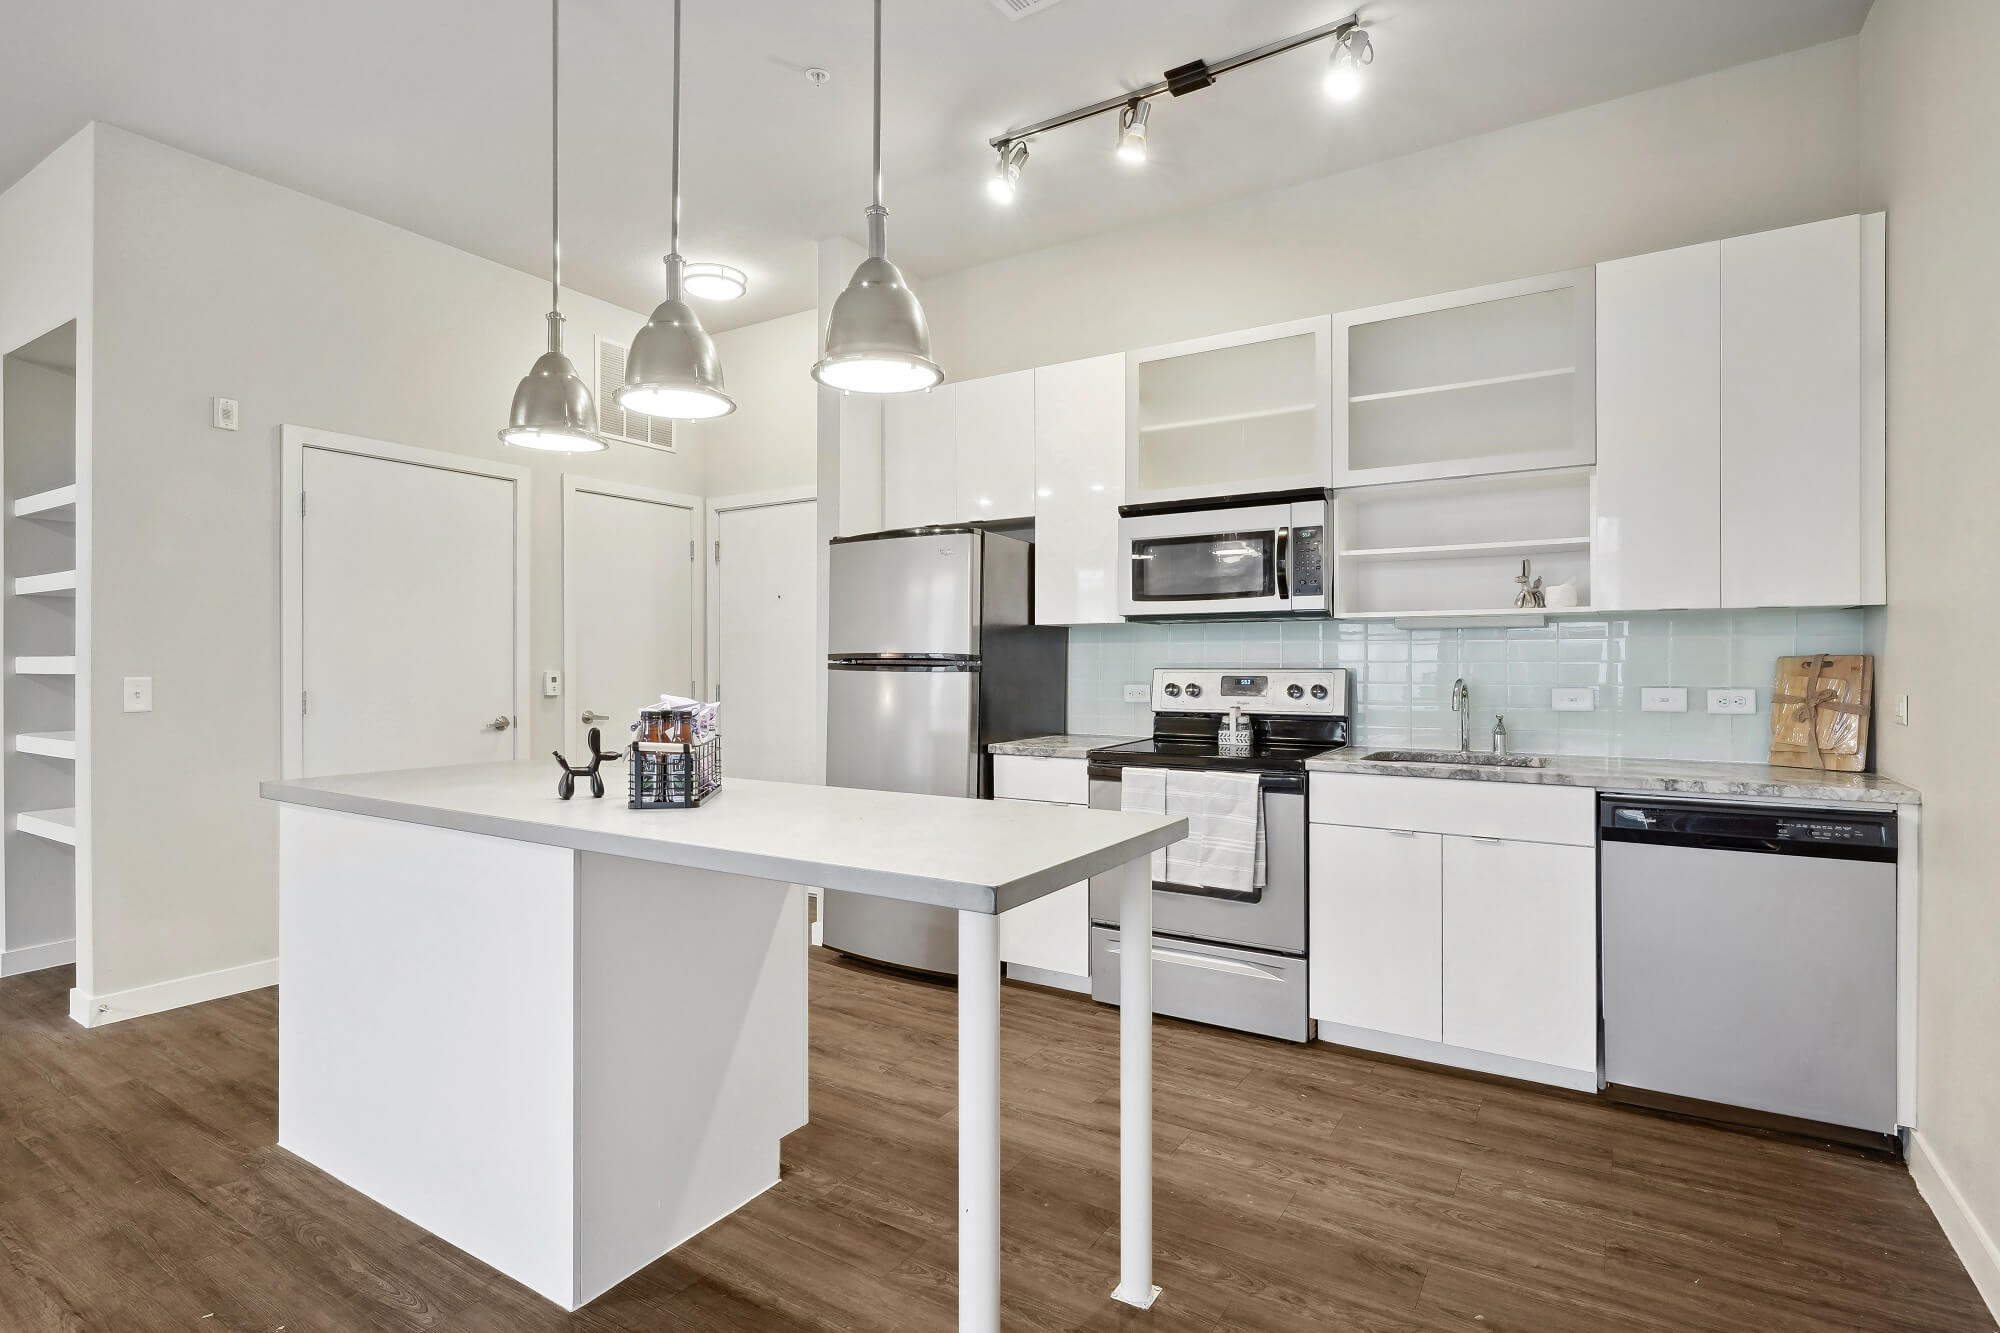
<point>1193,691</point>
<point>1296,691</point>
<point>1319,691</point>
<point>1171,691</point>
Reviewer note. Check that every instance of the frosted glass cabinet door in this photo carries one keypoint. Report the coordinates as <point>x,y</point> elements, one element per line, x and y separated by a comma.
<point>920,459</point>
<point>1079,465</point>
<point>1658,540</point>
<point>996,447</point>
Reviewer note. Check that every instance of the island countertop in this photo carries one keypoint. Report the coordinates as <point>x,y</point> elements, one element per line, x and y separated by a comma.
<point>977,856</point>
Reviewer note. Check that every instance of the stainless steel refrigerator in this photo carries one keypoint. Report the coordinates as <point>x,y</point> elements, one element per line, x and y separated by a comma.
<point>932,656</point>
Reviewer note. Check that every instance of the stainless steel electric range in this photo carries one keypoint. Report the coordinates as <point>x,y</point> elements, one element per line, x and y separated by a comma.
<point>1236,960</point>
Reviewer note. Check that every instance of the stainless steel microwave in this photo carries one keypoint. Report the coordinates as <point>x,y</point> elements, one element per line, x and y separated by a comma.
<point>1250,555</point>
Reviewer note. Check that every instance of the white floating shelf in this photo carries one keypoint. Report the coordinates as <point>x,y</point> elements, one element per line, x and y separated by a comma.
<point>1457,385</point>
<point>45,666</point>
<point>1467,550</point>
<point>60,583</point>
<point>1190,423</point>
<point>58,505</point>
<point>54,744</point>
<point>55,825</point>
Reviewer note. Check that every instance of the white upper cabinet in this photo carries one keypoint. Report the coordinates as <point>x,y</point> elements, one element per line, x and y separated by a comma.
<point>1238,414</point>
<point>1496,379</point>
<point>1079,480</point>
<point>1659,538</point>
<point>920,458</point>
<point>996,456</point>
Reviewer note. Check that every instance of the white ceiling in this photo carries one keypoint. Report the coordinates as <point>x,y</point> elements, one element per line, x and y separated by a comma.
<point>432,114</point>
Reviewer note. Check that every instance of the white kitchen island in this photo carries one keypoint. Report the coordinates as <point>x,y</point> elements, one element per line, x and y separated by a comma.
<point>567,1036</point>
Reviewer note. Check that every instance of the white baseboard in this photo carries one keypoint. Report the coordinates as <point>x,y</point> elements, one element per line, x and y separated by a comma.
<point>1042,976</point>
<point>35,957</point>
<point>1461,1057</point>
<point>94,1011</point>
<point>1973,1241</point>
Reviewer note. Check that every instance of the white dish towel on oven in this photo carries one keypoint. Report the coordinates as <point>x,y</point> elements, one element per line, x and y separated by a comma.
<point>1224,848</point>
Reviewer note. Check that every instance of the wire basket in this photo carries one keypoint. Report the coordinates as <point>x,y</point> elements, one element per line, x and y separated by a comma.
<point>670,775</point>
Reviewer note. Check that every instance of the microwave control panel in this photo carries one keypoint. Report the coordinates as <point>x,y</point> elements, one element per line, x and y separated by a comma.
<point>1308,564</point>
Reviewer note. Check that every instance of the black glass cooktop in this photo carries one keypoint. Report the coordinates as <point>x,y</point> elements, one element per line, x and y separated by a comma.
<point>1161,752</point>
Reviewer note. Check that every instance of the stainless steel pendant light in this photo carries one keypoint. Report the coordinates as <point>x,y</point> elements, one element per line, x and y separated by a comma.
<point>672,370</point>
<point>552,408</point>
<point>876,338</point>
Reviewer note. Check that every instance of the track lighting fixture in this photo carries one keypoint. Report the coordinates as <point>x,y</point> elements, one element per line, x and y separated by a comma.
<point>1132,132</point>
<point>1006,179</point>
<point>714,282</point>
<point>1351,50</point>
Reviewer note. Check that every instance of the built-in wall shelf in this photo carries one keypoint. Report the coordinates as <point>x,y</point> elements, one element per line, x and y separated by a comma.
<point>61,583</point>
<point>45,666</point>
<point>1466,550</point>
<point>1457,385</point>
<point>55,825</point>
<point>54,744</point>
<point>58,505</point>
<point>1261,414</point>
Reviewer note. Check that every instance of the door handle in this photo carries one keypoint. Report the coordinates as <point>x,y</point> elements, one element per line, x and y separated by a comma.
<point>1284,560</point>
<point>589,716</point>
<point>500,723</point>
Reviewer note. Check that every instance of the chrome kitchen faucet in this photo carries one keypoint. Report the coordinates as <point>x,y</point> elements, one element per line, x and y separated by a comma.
<point>1461,703</point>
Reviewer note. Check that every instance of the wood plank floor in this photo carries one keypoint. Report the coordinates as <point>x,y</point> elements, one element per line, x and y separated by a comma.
<point>1298,1189</point>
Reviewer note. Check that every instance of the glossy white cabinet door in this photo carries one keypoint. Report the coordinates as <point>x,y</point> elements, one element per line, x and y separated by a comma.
<point>1792,484</point>
<point>1520,950</point>
<point>920,458</point>
<point>996,447</point>
<point>1052,932</point>
<point>1374,930</point>
<point>1658,541</point>
<point>1079,464</point>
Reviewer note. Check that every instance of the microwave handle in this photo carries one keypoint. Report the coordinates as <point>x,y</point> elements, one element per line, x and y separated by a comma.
<point>1284,558</point>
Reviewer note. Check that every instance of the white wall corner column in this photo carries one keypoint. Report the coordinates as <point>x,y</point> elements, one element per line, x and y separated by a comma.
<point>836,258</point>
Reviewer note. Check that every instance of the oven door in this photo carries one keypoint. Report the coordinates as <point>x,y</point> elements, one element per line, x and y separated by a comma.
<point>1223,562</point>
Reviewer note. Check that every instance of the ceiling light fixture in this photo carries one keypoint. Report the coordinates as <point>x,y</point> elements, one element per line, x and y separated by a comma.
<point>877,340</point>
<point>672,369</point>
<point>552,407</point>
<point>1351,50</point>
<point>1132,132</point>
<point>714,282</point>
<point>1005,181</point>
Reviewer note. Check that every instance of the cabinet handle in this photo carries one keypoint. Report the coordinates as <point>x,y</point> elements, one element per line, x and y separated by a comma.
<point>1402,832</point>
<point>1497,842</point>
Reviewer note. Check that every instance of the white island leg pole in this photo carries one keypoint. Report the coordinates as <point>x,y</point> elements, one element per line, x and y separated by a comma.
<point>978,1122</point>
<point>1135,1084</point>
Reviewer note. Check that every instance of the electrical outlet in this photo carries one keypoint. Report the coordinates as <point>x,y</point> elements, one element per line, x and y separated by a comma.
<point>1663,699</point>
<point>225,414</point>
<point>551,684</point>
<point>1573,699</point>
<point>1732,701</point>
<point>138,694</point>
<point>1138,694</point>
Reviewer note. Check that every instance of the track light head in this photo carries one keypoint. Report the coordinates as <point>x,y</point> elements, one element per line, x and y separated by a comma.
<point>1132,131</point>
<point>1005,182</point>
<point>1351,50</point>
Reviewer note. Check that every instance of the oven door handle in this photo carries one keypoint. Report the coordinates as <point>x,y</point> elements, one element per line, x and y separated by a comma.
<point>1284,559</point>
<point>1208,963</point>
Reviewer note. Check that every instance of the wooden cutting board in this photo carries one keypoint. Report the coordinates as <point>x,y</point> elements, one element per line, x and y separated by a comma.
<point>1821,706</point>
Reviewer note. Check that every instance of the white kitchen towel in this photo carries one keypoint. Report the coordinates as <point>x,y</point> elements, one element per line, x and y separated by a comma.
<point>1144,791</point>
<point>1224,848</point>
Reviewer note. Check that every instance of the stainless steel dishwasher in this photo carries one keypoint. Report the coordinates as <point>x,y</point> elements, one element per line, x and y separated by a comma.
<point>1749,962</point>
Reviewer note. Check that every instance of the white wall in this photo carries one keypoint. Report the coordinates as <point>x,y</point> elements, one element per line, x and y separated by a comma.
<point>214,282</point>
<point>1932,108</point>
<point>769,441</point>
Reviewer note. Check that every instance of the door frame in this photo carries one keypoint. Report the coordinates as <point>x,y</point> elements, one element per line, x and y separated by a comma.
<point>575,483</point>
<point>293,441</point>
<point>718,505</point>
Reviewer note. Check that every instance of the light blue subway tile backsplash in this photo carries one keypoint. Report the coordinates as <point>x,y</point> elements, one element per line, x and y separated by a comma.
<point>1403,677</point>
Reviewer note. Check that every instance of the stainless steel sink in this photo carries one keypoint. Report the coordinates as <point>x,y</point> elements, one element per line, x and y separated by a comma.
<point>1456,757</point>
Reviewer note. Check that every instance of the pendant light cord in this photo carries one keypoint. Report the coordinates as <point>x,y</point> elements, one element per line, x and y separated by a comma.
<point>555,175</point>
<point>674,222</point>
<point>878,103</point>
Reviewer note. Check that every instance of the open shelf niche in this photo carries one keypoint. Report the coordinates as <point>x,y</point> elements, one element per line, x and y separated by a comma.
<point>1454,548</point>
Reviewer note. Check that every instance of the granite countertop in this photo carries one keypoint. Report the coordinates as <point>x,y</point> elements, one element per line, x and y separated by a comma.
<point>942,851</point>
<point>1057,747</point>
<point>1648,775</point>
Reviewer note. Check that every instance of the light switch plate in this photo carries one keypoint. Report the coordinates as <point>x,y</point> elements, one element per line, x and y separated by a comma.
<point>1663,699</point>
<point>138,694</point>
<point>1138,694</point>
<point>1732,701</point>
<point>225,414</point>
<point>551,684</point>
<point>1573,699</point>
<point>1902,710</point>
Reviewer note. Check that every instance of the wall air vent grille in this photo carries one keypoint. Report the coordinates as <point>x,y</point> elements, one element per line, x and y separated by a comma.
<point>627,427</point>
<point>1020,9</point>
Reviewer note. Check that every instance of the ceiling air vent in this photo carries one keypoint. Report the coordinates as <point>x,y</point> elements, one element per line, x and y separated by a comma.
<point>627,427</point>
<point>1020,9</point>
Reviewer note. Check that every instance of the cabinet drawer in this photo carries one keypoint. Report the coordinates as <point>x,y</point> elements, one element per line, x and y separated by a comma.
<point>1028,777</point>
<point>1473,808</point>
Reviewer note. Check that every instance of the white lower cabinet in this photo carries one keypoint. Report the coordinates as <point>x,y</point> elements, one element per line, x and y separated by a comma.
<point>1375,936</point>
<point>1520,950</point>
<point>1052,933</point>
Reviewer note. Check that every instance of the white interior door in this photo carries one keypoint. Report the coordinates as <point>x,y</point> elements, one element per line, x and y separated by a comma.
<point>767,658</point>
<point>628,608</point>
<point>408,636</point>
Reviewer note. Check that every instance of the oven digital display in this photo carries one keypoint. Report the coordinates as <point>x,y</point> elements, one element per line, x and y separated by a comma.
<point>1244,687</point>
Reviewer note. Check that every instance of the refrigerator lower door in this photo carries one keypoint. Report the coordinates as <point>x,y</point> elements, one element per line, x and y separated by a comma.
<point>894,727</point>
<point>905,596</point>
